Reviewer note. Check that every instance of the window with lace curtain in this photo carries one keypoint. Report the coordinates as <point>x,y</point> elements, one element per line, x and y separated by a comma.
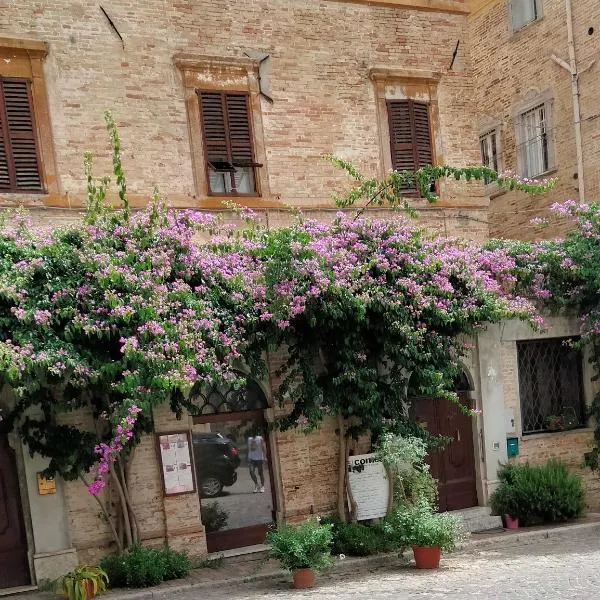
<point>536,155</point>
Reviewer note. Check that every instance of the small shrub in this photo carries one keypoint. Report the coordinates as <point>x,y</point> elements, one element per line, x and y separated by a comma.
<point>144,567</point>
<point>420,525</point>
<point>539,494</point>
<point>358,539</point>
<point>177,564</point>
<point>304,546</point>
<point>213,516</point>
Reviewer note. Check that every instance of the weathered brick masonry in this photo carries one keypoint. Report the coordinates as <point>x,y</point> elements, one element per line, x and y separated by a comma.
<point>510,68</point>
<point>331,65</point>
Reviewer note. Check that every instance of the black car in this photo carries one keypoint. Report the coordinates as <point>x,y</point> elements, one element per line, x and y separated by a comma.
<point>217,460</point>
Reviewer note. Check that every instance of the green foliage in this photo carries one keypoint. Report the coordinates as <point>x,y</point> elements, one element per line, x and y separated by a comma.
<point>141,566</point>
<point>404,459</point>
<point>392,189</point>
<point>358,539</point>
<point>420,525</point>
<point>304,546</point>
<point>213,516</point>
<point>539,494</point>
<point>83,582</point>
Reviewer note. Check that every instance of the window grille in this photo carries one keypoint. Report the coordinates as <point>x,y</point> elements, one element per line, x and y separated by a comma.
<point>550,385</point>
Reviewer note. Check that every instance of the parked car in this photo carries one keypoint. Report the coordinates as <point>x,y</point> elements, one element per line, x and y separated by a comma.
<point>217,460</point>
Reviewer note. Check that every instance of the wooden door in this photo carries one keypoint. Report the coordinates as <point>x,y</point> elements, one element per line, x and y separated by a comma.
<point>454,465</point>
<point>14,566</point>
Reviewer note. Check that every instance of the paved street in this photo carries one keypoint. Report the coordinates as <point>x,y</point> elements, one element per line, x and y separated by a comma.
<point>553,569</point>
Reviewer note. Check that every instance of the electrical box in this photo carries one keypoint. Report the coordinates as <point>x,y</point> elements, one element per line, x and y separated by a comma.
<point>46,485</point>
<point>512,447</point>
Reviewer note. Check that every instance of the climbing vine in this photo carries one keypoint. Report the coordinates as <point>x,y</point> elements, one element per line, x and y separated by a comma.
<point>109,318</point>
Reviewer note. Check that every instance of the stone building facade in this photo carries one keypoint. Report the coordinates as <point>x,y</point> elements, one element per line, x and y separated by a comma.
<point>525,98</point>
<point>525,77</point>
<point>317,78</point>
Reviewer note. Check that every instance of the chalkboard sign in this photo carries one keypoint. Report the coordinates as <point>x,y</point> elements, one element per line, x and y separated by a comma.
<point>369,486</point>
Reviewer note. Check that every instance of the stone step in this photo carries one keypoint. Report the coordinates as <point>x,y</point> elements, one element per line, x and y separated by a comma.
<point>479,518</point>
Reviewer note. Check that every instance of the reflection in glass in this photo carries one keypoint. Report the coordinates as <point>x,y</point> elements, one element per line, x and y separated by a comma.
<point>233,474</point>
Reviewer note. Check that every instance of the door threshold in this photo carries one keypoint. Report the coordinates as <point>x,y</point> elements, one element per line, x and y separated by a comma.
<point>238,551</point>
<point>18,590</point>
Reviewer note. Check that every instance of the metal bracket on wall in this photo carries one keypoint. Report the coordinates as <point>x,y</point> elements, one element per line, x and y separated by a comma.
<point>261,63</point>
<point>110,21</point>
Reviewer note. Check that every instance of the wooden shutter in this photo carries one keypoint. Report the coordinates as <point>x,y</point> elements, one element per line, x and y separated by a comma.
<point>410,135</point>
<point>240,137</point>
<point>226,128</point>
<point>19,156</point>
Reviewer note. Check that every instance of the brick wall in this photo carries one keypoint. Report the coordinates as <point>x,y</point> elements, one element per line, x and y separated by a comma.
<point>511,67</point>
<point>321,55</point>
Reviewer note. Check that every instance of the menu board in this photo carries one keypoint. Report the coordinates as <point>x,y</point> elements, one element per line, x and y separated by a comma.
<point>177,470</point>
<point>369,486</point>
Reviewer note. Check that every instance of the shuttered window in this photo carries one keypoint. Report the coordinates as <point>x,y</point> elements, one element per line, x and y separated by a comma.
<point>410,136</point>
<point>19,154</point>
<point>228,146</point>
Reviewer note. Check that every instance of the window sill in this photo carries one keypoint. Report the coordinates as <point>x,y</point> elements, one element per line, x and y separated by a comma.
<point>515,32</point>
<point>543,175</point>
<point>546,434</point>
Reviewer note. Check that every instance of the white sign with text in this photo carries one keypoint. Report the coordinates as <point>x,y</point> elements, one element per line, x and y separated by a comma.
<point>369,486</point>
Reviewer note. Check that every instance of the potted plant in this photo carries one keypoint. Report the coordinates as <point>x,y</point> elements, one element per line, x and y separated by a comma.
<point>428,532</point>
<point>555,423</point>
<point>303,549</point>
<point>504,502</point>
<point>83,583</point>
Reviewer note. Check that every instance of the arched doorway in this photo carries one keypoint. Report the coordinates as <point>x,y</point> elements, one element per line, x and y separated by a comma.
<point>14,565</point>
<point>232,458</point>
<point>454,465</point>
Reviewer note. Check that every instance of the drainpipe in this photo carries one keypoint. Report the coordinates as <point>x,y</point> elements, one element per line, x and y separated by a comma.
<point>571,67</point>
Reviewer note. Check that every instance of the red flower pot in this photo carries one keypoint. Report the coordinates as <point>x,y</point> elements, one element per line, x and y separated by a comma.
<point>511,522</point>
<point>89,589</point>
<point>304,579</point>
<point>427,557</point>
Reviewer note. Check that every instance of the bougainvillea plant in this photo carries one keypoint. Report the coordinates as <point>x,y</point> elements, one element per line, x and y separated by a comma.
<point>573,279</point>
<point>115,316</point>
<point>124,312</point>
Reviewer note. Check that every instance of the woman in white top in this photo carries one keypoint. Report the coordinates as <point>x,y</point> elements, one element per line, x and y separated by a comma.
<point>257,454</point>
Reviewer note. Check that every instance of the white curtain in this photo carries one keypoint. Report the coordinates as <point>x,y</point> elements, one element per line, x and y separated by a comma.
<point>535,142</point>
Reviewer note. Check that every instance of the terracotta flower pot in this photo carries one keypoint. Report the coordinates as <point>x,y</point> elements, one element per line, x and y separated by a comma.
<point>304,579</point>
<point>511,522</point>
<point>89,589</point>
<point>427,557</point>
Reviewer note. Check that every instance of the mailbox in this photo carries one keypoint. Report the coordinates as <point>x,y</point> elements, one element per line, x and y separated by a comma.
<point>512,447</point>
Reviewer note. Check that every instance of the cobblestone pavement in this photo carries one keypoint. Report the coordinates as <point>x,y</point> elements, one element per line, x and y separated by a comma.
<point>561,569</point>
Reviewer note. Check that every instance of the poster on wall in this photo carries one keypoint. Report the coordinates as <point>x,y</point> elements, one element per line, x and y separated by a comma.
<point>369,486</point>
<point>176,463</point>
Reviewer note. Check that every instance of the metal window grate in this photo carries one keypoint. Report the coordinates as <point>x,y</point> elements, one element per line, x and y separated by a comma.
<point>550,385</point>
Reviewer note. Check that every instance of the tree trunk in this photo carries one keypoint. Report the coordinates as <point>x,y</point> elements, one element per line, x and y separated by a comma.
<point>124,508</point>
<point>342,469</point>
<point>353,506</point>
<point>135,532</point>
<point>116,536</point>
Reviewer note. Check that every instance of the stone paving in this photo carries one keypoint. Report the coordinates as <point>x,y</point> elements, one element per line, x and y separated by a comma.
<point>561,569</point>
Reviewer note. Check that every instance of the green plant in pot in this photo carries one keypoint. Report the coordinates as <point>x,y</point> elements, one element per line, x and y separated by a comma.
<point>83,583</point>
<point>428,532</point>
<point>303,549</point>
<point>504,502</point>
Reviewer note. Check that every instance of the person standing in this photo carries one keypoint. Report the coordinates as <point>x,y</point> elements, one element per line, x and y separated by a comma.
<point>257,454</point>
